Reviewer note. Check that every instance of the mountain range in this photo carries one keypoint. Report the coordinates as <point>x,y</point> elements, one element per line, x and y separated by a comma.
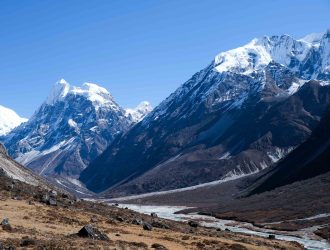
<point>241,114</point>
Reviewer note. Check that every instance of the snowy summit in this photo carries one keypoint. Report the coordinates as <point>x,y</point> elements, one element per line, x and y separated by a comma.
<point>99,96</point>
<point>139,112</point>
<point>9,120</point>
<point>284,49</point>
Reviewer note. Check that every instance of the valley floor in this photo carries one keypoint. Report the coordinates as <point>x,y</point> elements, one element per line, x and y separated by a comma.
<point>51,227</point>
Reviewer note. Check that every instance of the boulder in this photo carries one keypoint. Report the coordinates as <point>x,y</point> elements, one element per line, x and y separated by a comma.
<point>137,222</point>
<point>4,222</point>
<point>120,219</point>
<point>52,201</point>
<point>26,241</point>
<point>7,228</point>
<point>158,246</point>
<point>159,224</point>
<point>271,237</point>
<point>89,231</point>
<point>147,226</point>
<point>193,223</point>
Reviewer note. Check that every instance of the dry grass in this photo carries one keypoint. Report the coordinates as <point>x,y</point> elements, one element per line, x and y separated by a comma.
<point>55,228</point>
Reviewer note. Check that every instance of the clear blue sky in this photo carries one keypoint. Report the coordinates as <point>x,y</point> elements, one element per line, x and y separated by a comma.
<point>138,50</point>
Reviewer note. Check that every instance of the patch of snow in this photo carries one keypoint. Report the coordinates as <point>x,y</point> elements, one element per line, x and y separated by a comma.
<point>225,156</point>
<point>312,38</point>
<point>74,125</point>
<point>30,156</point>
<point>296,86</point>
<point>279,153</point>
<point>75,182</point>
<point>244,60</point>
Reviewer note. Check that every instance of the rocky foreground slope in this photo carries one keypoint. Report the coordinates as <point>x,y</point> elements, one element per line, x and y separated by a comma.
<point>36,217</point>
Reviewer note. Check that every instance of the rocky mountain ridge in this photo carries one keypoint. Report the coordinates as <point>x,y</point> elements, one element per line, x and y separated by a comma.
<point>242,113</point>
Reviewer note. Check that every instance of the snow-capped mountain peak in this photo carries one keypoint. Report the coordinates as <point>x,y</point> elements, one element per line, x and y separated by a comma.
<point>284,50</point>
<point>9,120</point>
<point>139,112</point>
<point>258,53</point>
<point>71,128</point>
<point>58,92</point>
<point>99,96</point>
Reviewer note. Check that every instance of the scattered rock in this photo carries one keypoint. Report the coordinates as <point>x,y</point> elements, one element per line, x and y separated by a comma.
<point>52,193</point>
<point>227,230</point>
<point>137,222</point>
<point>147,226</point>
<point>154,215</point>
<point>3,172</point>
<point>26,241</point>
<point>185,237</point>
<point>120,219</point>
<point>94,219</point>
<point>50,198</point>
<point>89,231</point>
<point>117,235</point>
<point>158,246</point>
<point>271,237</point>
<point>52,201</point>
<point>159,224</point>
<point>193,223</point>
<point>4,222</point>
<point>7,228</point>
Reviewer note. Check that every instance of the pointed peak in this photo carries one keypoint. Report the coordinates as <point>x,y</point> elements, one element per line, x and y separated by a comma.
<point>59,91</point>
<point>139,112</point>
<point>62,82</point>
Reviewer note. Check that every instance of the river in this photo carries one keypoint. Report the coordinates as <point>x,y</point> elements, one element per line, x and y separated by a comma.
<point>168,212</point>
